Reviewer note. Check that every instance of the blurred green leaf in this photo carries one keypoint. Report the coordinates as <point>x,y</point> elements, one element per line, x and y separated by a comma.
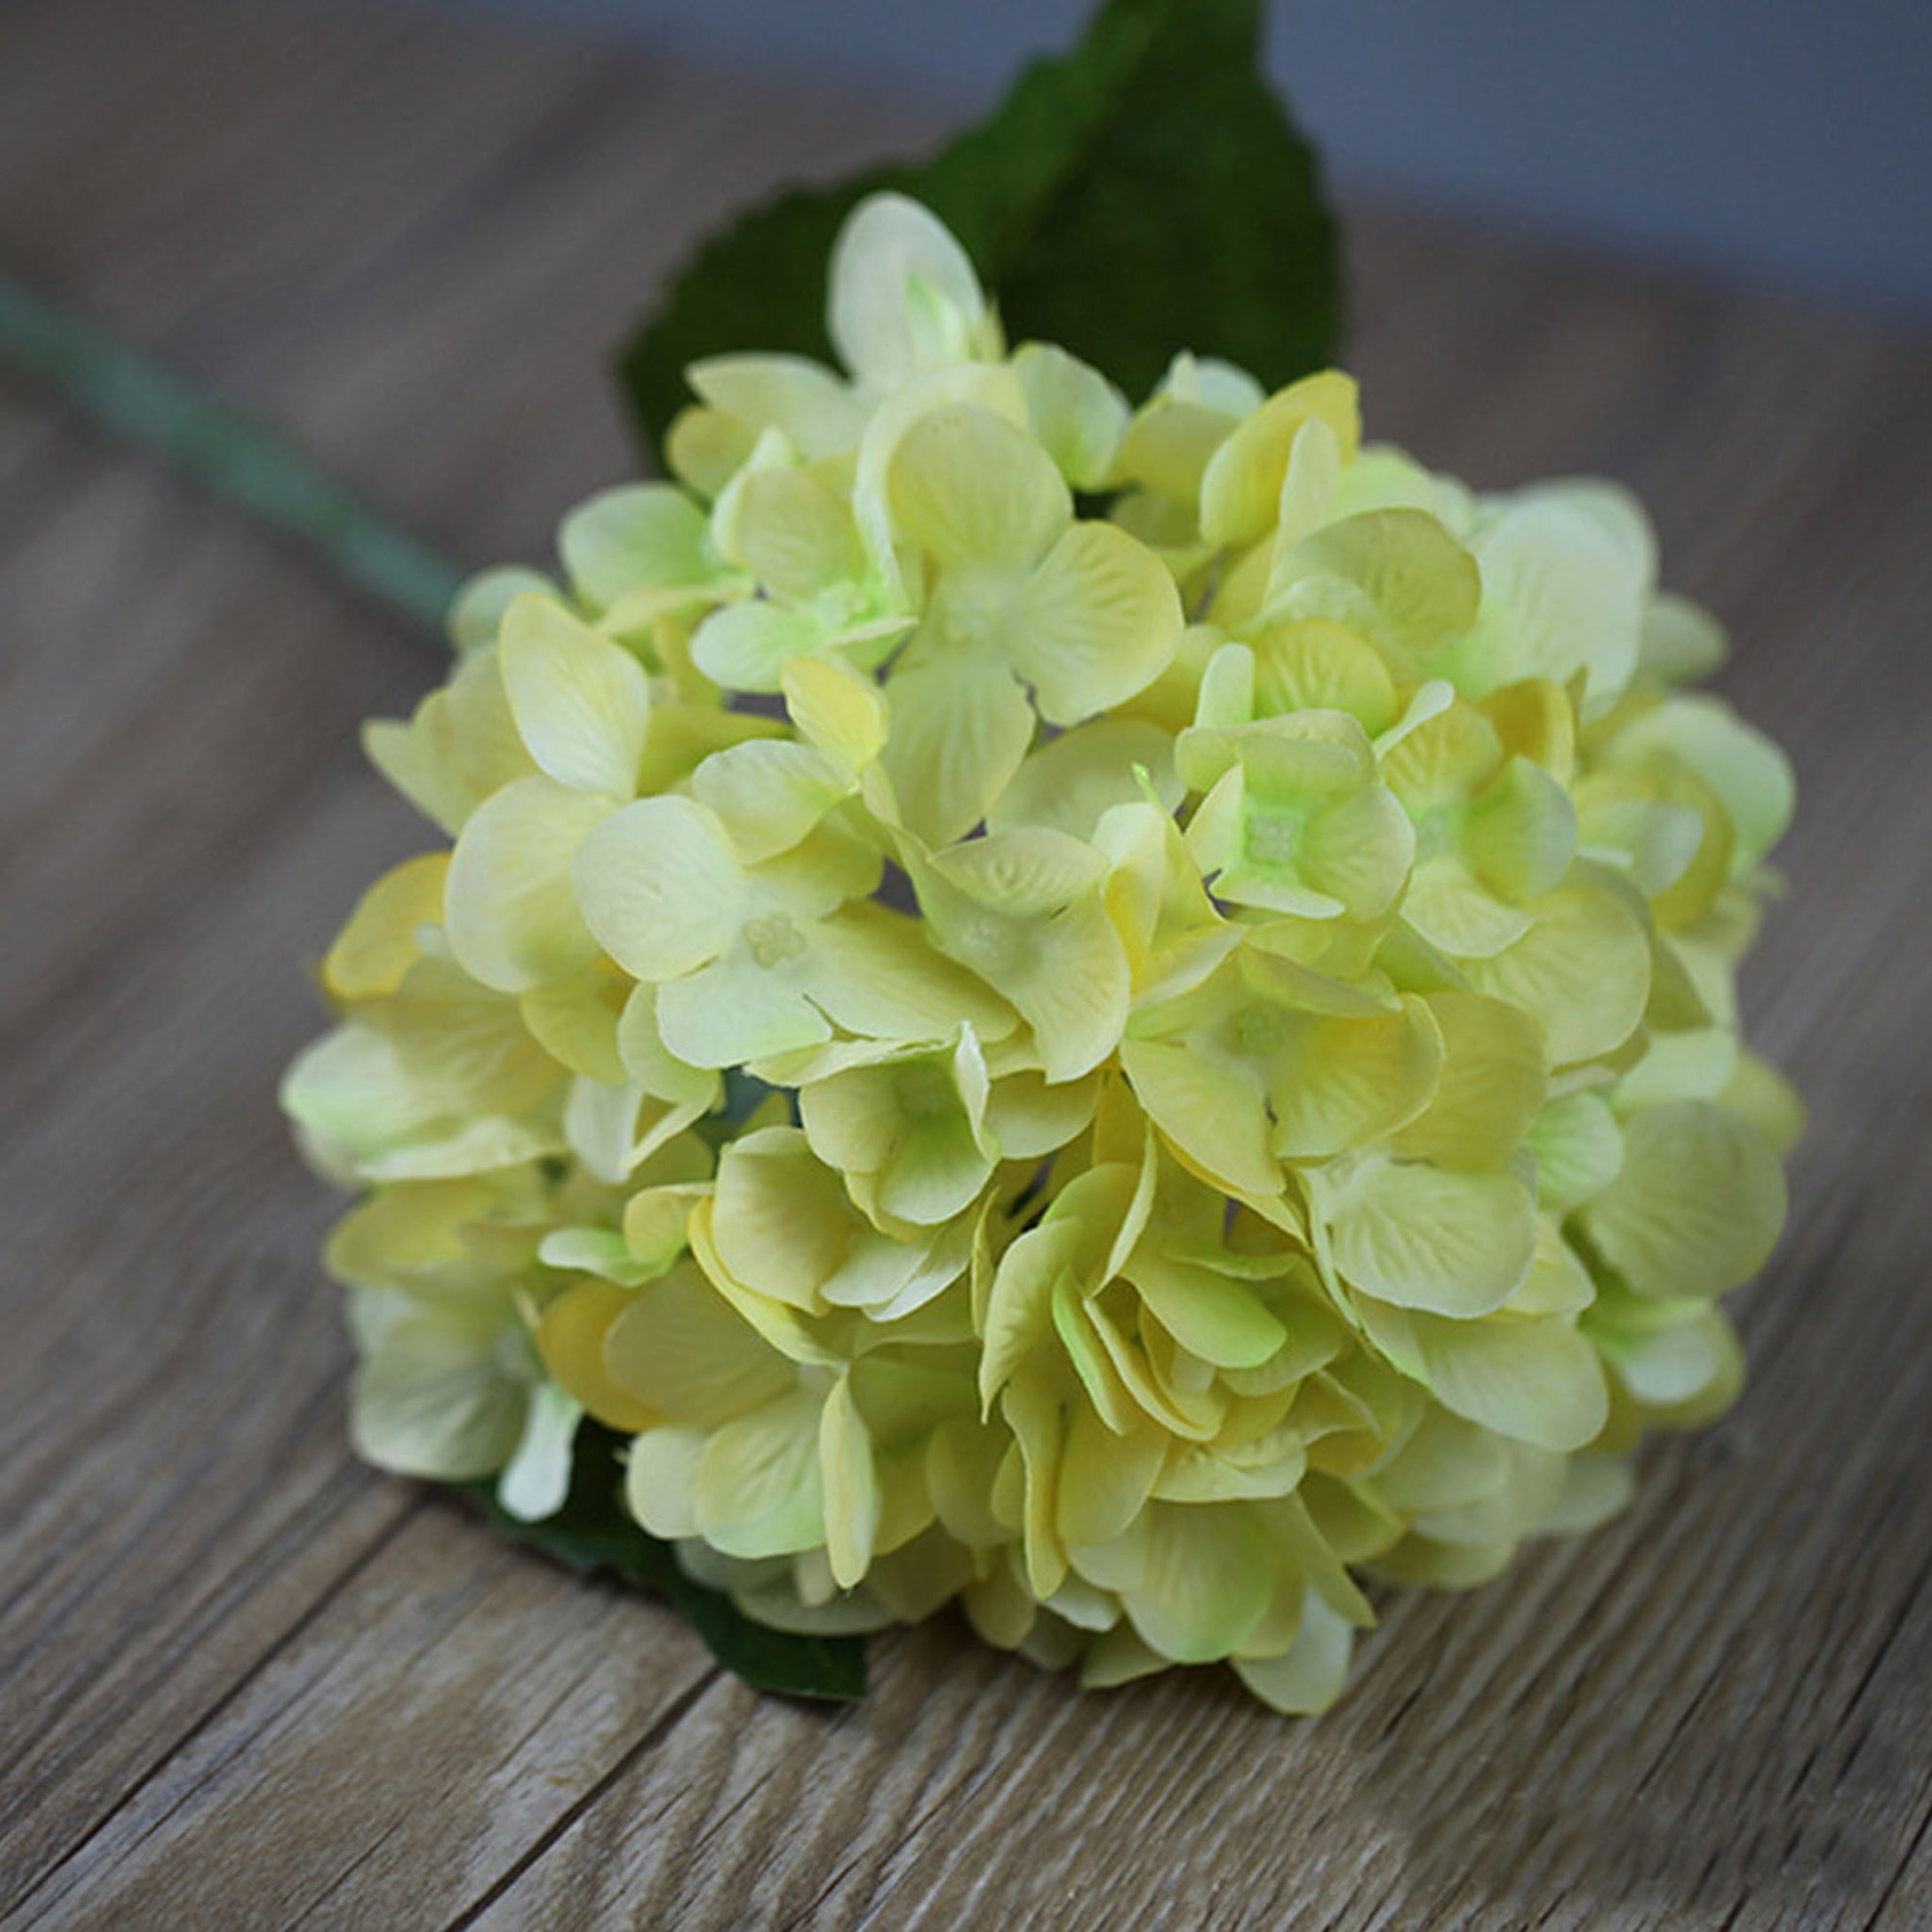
<point>1146,193</point>
<point>593,1533</point>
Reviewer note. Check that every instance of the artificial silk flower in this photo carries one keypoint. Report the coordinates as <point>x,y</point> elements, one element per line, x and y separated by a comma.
<point>1122,1016</point>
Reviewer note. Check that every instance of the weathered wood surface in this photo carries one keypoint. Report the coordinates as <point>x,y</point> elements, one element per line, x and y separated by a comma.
<point>245,1683</point>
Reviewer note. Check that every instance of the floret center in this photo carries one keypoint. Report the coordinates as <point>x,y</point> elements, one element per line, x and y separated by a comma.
<point>1271,836</point>
<point>774,939</point>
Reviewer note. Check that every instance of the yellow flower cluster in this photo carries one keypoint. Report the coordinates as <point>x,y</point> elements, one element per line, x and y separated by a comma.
<point>1238,932</point>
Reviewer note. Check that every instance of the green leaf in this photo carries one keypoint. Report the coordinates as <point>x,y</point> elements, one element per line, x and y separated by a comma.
<point>591,1533</point>
<point>1143,194</point>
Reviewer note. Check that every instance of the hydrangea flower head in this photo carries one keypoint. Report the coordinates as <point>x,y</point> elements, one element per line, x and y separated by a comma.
<point>1230,942</point>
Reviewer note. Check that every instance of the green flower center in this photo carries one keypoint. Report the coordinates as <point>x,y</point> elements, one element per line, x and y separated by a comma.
<point>970,612</point>
<point>988,944</point>
<point>925,1093</point>
<point>1271,836</point>
<point>774,939</point>
<point>1437,834</point>
<point>1258,1032</point>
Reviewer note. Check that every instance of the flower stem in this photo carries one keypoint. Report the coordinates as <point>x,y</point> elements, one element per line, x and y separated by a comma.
<point>231,455</point>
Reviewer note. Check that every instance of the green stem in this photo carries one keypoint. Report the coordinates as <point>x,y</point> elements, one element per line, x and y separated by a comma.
<point>231,455</point>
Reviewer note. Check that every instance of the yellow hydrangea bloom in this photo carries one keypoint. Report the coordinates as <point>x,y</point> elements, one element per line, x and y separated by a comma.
<point>1243,977</point>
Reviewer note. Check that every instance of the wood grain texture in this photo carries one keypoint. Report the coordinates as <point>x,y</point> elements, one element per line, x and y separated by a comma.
<point>243,1682</point>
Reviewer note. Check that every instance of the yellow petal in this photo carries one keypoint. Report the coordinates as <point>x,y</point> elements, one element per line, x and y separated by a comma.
<point>378,945</point>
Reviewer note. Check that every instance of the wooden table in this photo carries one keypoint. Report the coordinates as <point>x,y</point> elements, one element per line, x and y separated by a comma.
<point>245,1682</point>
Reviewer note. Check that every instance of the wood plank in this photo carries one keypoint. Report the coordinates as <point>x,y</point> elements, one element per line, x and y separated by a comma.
<point>241,1679</point>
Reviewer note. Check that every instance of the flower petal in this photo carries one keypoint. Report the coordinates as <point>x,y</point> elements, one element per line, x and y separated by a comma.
<point>850,1478</point>
<point>1077,414</point>
<point>1309,1675</point>
<point>971,487</point>
<point>1207,1579</point>
<point>379,944</point>
<point>760,1490</point>
<point>1697,1206</point>
<point>1099,620</point>
<point>639,537</point>
<point>737,1008</point>
<point>660,887</point>
<point>747,646</point>
<point>582,703</point>
<point>1420,1236</point>
<point>1240,488</point>
<point>892,259</point>
<point>509,910</point>
<point>677,1349</point>
<point>1582,970</point>
<point>960,728</point>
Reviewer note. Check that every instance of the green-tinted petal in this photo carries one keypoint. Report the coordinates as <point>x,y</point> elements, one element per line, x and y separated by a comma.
<point>1696,1207</point>
<point>509,910</point>
<point>781,1222</point>
<point>1680,642</point>
<point>760,1489</point>
<point>747,646</point>
<point>661,887</point>
<point>803,399</point>
<point>1536,1381</point>
<point>1211,1317</point>
<point>1208,1578</point>
<point>1578,1148</point>
<point>1397,574</point>
<point>1316,665</point>
<point>1494,1072</point>
<point>1216,1123</point>
<point>850,1477</point>
<point>1104,1478</point>
<point>1071,780</point>
<point>873,972</point>
<point>582,703</point>
<point>960,727</point>
<point>431,1396</point>
<point>576,1022</point>
<point>1310,1675</point>
<point>767,794</point>
<point>739,1009</point>
<point>1420,1236</point>
<point>894,257</point>
<point>1747,772</point>
<point>836,710</point>
<point>970,488</point>
<point>1099,621</point>
<point>791,530</point>
<point>1561,594</point>
<point>1448,907</point>
<point>477,614</point>
<point>641,536</point>
<point>1077,414</point>
<point>660,1480</point>
<point>1522,833</point>
<point>1582,970</point>
<point>681,1351</point>
<point>1339,1082</point>
<point>1359,851</point>
<point>536,1480</point>
<point>380,942</point>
